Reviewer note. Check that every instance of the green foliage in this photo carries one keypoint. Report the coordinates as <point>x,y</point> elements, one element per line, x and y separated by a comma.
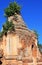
<point>1,34</point>
<point>9,11</point>
<point>12,9</point>
<point>35,32</point>
<point>8,26</point>
<point>40,47</point>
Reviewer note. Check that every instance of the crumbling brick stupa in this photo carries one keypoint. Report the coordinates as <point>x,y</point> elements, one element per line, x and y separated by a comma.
<point>19,47</point>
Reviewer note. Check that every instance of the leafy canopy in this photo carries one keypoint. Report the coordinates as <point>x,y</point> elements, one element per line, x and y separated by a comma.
<point>12,9</point>
<point>9,11</point>
<point>8,26</point>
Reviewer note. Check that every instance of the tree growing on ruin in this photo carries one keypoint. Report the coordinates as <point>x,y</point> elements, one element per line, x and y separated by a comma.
<point>8,26</point>
<point>39,45</point>
<point>12,9</point>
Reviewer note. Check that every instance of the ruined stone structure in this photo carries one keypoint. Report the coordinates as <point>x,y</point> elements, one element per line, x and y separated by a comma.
<point>19,47</point>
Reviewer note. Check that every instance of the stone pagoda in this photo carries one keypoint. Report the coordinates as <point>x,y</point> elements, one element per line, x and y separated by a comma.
<point>20,45</point>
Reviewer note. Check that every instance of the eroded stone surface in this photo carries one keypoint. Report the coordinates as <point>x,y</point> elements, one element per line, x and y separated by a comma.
<point>19,47</point>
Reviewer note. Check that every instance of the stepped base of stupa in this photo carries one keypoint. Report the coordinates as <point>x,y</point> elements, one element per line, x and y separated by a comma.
<point>23,61</point>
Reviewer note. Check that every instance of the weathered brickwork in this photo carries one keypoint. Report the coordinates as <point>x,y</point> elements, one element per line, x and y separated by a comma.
<point>19,47</point>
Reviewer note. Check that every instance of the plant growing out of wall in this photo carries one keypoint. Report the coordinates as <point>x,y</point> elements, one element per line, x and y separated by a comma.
<point>1,35</point>
<point>8,26</point>
<point>12,9</point>
<point>39,45</point>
